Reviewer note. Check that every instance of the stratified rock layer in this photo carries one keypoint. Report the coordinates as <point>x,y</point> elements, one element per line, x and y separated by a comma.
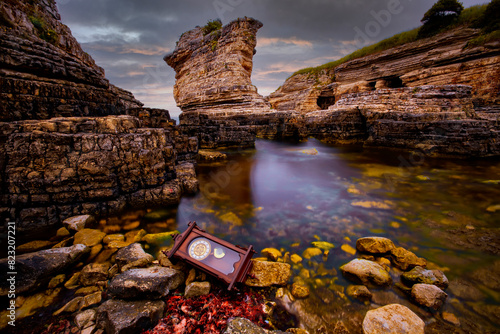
<point>213,69</point>
<point>440,60</point>
<point>44,72</point>
<point>62,167</point>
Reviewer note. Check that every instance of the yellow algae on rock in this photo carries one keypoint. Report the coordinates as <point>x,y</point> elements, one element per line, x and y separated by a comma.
<point>386,205</point>
<point>324,245</point>
<point>395,224</point>
<point>348,249</point>
<point>493,208</point>
<point>295,258</point>
<point>159,238</point>
<point>311,252</point>
<point>231,218</point>
<point>271,253</point>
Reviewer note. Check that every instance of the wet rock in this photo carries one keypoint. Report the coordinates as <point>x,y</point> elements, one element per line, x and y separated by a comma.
<point>93,273</point>
<point>195,289</point>
<point>132,253</point>
<point>451,318</point>
<point>135,236</point>
<point>404,259</point>
<point>94,251</point>
<point>122,317</point>
<point>113,237</point>
<point>428,295</point>
<point>62,233</point>
<point>152,283</point>
<point>374,245</point>
<point>191,276</point>
<point>85,318</point>
<point>366,272</point>
<point>71,306</point>
<point>421,275</point>
<point>163,239</point>
<point>78,223</point>
<point>300,291</point>
<point>89,237</point>
<point>245,326</point>
<point>392,318</point>
<point>207,155</point>
<point>38,268</point>
<point>265,274</point>
<point>88,290</point>
<point>34,246</point>
<point>311,252</point>
<point>271,253</point>
<point>73,282</point>
<point>56,281</point>
<point>295,258</point>
<point>489,275</point>
<point>348,249</point>
<point>359,292</point>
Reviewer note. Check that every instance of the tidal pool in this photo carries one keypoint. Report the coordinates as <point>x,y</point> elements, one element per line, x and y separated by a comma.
<point>287,196</point>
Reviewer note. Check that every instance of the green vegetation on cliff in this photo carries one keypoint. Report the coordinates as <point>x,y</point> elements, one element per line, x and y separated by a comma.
<point>484,17</point>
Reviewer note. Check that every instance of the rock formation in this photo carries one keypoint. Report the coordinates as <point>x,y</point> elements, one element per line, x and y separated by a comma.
<point>213,68</point>
<point>440,60</point>
<point>58,158</point>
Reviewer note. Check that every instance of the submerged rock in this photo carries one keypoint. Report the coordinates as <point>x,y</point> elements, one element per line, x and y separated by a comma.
<point>271,253</point>
<point>421,275</point>
<point>245,326</point>
<point>374,245</point>
<point>300,291</point>
<point>359,292</point>
<point>392,319</point>
<point>404,259</point>
<point>152,283</point>
<point>311,252</point>
<point>120,317</point>
<point>366,272</point>
<point>265,274</point>
<point>428,295</point>
<point>38,268</point>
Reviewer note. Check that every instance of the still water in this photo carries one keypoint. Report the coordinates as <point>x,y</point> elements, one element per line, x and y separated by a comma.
<point>287,196</point>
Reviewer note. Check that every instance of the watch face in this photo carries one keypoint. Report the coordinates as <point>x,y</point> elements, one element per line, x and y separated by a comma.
<point>199,248</point>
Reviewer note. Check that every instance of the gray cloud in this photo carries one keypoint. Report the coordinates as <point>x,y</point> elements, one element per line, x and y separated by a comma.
<point>129,38</point>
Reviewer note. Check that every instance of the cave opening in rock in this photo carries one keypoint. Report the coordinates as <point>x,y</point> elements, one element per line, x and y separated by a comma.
<point>394,82</point>
<point>327,97</point>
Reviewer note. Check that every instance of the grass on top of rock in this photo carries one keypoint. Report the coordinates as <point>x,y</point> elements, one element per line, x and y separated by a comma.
<point>476,16</point>
<point>211,26</point>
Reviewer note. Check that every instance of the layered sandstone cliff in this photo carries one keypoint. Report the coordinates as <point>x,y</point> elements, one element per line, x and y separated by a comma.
<point>44,72</point>
<point>440,60</point>
<point>54,165</point>
<point>213,69</point>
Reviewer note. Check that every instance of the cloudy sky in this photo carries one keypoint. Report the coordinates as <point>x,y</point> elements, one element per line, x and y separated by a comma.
<point>129,38</point>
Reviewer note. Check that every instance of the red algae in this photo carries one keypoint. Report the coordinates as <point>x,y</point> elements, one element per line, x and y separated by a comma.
<point>209,314</point>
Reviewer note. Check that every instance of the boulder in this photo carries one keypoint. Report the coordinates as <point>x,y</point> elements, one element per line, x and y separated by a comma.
<point>374,245</point>
<point>78,223</point>
<point>404,259</point>
<point>93,273</point>
<point>38,268</point>
<point>366,272</point>
<point>359,292</point>
<point>89,237</point>
<point>428,295</point>
<point>264,274</point>
<point>124,317</point>
<point>151,283</point>
<point>195,289</point>
<point>421,275</point>
<point>392,319</point>
<point>132,253</point>
<point>245,326</point>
